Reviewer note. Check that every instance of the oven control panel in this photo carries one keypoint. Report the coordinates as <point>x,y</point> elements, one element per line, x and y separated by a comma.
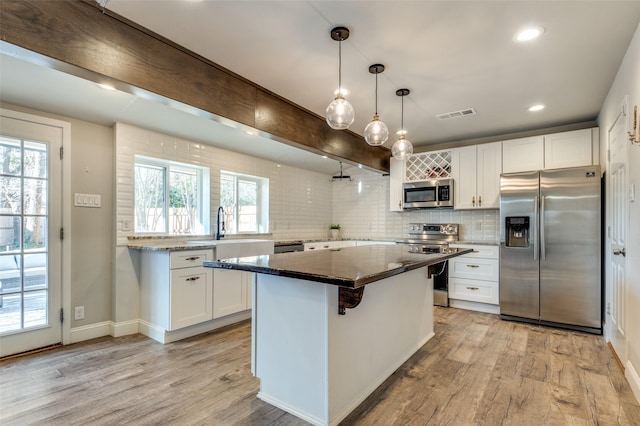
<point>435,230</point>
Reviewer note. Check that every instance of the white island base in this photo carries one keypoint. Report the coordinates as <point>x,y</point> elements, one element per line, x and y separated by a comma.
<point>319,365</point>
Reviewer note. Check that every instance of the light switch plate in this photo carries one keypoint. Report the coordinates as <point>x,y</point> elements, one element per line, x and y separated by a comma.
<point>87,200</point>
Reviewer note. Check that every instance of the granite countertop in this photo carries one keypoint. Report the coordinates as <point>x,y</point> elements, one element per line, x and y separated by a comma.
<point>169,244</point>
<point>347,267</point>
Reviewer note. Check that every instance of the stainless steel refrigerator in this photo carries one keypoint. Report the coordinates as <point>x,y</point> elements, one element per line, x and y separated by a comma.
<point>550,248</point>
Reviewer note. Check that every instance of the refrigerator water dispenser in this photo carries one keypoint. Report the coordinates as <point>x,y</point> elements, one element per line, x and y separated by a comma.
<point>517,228</point>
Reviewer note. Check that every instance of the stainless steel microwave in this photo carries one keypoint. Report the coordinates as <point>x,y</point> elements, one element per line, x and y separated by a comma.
<point>428,194</point>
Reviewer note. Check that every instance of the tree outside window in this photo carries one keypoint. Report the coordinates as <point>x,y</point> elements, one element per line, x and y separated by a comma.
<point>245,202</point>
<point>170,197</point>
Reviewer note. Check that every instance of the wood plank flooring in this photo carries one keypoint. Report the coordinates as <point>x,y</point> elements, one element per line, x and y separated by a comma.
<point>478,370</point>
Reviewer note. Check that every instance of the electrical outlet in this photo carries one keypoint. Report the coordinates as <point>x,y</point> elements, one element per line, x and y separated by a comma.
<point>79,314</point>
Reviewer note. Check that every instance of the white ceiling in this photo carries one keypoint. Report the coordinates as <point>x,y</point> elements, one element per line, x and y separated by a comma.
<point>452,55</point>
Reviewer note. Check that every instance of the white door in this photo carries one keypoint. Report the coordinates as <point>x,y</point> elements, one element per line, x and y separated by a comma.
<point>30,245</point>
<point>617,232</point>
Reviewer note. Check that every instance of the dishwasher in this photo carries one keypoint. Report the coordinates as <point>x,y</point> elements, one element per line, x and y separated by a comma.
<point>288,246</point>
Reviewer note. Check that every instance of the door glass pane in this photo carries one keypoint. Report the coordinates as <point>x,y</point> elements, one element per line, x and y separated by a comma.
<point>35,308</point>
<point>10,195</point>
<point>10,233</point>
<point>35,159</point>
<point>35,232</point>
<point>247,206</point>
<point>10,159</point>
<point>24,290</point>
<point>35,196</point>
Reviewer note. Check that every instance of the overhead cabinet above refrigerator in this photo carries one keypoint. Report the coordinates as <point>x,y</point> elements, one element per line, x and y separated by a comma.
<point>550,245</point>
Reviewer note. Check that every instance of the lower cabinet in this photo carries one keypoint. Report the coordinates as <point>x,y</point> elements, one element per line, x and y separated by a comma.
<point>231,292</point>
<point>475,278</point>
<point>176,290</point>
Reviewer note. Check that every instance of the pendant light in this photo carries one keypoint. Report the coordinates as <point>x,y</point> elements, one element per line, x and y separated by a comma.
<point>402,147</point>
<point>339,113</point>
<point>376,133</point>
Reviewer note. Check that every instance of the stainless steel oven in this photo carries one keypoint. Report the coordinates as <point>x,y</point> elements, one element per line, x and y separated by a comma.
<point>434,238</point>
<point>428,194</point>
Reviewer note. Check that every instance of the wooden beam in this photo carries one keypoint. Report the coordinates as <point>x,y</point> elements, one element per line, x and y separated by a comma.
<point>81,39</point>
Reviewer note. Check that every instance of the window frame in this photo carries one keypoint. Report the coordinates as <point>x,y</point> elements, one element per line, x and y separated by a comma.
<point>262,201</point>
<point>203,194</point>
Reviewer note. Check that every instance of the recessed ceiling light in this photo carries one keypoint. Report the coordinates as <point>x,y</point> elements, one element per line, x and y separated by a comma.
<point>528,34</point>
<point>105,86</point>
<point>534,108</point>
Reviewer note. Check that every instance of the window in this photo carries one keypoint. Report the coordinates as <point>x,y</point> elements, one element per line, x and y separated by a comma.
<point>170,197</point>
<point>245,200</point>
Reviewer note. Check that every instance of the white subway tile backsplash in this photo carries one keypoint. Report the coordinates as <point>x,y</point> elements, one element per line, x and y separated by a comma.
<point>302,203</point>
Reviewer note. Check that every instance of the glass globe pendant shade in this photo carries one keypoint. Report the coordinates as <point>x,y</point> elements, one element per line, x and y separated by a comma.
<point>376,133</point>
<point>402,148</point>
<point>340,114</point>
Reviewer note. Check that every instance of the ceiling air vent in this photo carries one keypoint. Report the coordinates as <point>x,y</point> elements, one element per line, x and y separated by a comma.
<point>456,114</point>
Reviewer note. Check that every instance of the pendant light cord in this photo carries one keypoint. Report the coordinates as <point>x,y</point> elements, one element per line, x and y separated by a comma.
<point>376,93</point>
<point>340,67</point>
<point>402,115</point>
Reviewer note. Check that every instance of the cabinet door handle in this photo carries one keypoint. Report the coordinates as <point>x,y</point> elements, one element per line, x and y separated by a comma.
<point>312,248</point>
<point>473,201</point>
<point>192,258</point>
<point>473,266</point>
<point>475,251</point>
<point>400,204</point>
<point>473,288</point>
<point>479,200</point>
<point>192,279</point>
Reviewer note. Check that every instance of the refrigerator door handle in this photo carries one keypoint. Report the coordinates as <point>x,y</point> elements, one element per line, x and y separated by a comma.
<point>535,229</point>
<point>543,250</point>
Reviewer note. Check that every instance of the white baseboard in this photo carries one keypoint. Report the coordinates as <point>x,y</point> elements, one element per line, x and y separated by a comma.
<point>163,336</point>
<point>125,328</point>
<point>91,331</point>
<point>633,378</point>
<point>475,306</point>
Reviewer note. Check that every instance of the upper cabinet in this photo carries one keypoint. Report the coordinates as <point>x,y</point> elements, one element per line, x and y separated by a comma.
<point>524,154</point>
<point>555,151</point>
<point>569,149</point>
<point>476,172</point>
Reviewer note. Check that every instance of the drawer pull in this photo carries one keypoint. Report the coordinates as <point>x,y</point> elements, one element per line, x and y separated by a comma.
<point>473,288</point>
<point>192,258</point>
<point>192,279</point>
<point>473,266</point>
<point>475,251</point>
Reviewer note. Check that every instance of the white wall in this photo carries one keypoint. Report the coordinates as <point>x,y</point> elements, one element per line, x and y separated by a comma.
<point>627,82</point>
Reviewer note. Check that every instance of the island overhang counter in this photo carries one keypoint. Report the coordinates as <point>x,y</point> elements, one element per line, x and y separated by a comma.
<point>315,357</point>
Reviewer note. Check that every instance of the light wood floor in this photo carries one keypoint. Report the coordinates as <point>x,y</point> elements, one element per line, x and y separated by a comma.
<point>478,370</point>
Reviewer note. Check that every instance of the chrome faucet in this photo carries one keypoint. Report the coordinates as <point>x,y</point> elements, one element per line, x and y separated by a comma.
<point>220,224</point>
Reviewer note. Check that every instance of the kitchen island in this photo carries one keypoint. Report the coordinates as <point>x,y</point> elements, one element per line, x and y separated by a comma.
<point>328,327</point>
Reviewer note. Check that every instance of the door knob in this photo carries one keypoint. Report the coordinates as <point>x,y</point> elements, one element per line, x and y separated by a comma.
<point>619,252</point>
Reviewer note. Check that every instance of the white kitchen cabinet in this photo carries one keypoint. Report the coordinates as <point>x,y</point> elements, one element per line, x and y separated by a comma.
<point>176,290</point>
<point>523,155</point>
<point>230,292</point>
<point>568,149</point>
<point>396,179</point>
<point>474,278</point>
<point>575,148</point>
<point>476,171</point>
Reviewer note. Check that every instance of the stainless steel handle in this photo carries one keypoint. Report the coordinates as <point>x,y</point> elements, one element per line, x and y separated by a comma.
<point>535,229</point>
<point>473,266</point>
<point>619,252</point>
<point>473,288</point>
<point>543,250</point>
<point>192,258</point>
<point>192,279</point>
